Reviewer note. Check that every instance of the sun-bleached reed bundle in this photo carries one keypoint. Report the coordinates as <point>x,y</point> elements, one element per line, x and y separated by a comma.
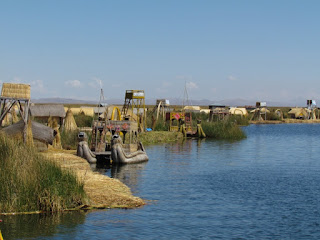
<point>15,118</point>
<point>15,90</point>
<point>70,124</point>
<point>57,140</point>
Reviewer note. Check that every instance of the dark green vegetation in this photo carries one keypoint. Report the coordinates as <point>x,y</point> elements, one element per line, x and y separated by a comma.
<point>219,129</point>
<point>31,182</point>
<point>83,120</point>
<point>69,140</point>
<point>160,137</point>
<point>225,129</point>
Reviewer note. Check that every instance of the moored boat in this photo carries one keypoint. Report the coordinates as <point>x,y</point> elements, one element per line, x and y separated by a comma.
<point>127,153</point>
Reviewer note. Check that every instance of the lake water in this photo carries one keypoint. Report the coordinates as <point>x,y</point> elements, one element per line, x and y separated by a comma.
<point>264,187</point>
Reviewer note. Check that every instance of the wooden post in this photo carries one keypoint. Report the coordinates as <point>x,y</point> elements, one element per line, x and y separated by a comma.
<point>25,120</point>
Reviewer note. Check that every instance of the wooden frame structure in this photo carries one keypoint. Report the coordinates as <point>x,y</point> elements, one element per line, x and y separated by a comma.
<point>16,94</point>
<point>135,99</point>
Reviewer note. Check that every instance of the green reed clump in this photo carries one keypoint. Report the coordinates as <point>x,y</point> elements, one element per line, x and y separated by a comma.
<point>31,182</point>
<point>225,129</point>
<point>83,120</point>
<point>273,116</point>
<point>160,137</point>
<point>69,139</point>
<point>161,125</point>
<point>239,120</point>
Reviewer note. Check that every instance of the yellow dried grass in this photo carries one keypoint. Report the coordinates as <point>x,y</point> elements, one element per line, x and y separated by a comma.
<point>15,118</point>
<point>88,111</point>
<point>29,134</point>
<point>70,124</point>
<point>15,90</point>
<point>57,140</point>
<point>103,191</point>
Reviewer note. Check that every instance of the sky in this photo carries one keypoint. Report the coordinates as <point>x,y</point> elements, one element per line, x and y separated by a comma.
<point>259,50</point>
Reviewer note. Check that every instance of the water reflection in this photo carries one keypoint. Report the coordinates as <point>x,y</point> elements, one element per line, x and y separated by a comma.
<point>128,174</point>
<point>40,226</point>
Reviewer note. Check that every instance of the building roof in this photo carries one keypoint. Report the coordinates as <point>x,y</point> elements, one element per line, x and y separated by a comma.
<point>48,110</point>
<point>238,111</point>
<point>194,108</point>
<point>298,112</point>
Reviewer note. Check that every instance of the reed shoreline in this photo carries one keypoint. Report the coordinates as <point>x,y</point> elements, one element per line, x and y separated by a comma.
<point>102,191</point>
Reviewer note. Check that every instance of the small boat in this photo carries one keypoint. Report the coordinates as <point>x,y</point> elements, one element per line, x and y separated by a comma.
<point>127,153</point>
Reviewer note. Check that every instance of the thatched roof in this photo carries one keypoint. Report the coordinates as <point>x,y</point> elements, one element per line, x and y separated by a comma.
<point>238,111</point>
<point>298,112</point>
<point>48,110</point>
<point>15,90</point>
<point>193,108</point>
<point>262,110</point>
<point>220,110</point>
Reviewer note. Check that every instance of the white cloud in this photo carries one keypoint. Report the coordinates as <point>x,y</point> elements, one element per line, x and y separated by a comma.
<point>74,83</point>
<point>192,85</point>
<point>232,78</point>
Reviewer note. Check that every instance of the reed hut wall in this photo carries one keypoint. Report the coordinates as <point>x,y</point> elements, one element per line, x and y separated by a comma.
<point>88,111</point>
<point>43,112</point>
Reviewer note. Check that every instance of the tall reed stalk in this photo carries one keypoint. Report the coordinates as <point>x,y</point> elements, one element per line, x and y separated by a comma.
<point>30,182</point>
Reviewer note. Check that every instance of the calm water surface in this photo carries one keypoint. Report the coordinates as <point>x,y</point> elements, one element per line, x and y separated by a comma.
<point>264,187</point>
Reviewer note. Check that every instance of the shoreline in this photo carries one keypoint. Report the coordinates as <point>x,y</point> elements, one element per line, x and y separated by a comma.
<point>103,192</point>
<point>285,121</point>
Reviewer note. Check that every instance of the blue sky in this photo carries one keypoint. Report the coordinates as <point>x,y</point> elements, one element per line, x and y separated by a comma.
<point>256,50</point>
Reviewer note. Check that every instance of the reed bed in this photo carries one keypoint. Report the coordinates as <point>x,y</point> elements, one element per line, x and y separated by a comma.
<point>226,129</point>
<point>160,137</point>
<point>69,139</point>
<point>83,120</point>
<point>31,182</point>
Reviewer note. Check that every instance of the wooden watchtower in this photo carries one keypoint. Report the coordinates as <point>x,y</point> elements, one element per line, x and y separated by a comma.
<point>135,100</point>
<point>15,94</point>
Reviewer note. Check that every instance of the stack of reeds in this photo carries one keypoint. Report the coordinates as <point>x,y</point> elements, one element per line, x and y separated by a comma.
<point>15,118</point>
<point>54,125</point>
<point>15,90</point>
<point>70,124</point>
<point>6,120</point>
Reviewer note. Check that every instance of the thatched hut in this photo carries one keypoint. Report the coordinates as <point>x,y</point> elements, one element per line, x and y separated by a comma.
<point>298,113</point>
<point>218,112</point>
<point>42,112</point>
<point>238,111</point>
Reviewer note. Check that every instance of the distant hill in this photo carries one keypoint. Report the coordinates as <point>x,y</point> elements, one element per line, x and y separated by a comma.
<point>175,101</point>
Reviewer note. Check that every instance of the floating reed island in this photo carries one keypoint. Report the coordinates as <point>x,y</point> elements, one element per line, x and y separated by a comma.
<point>54,181</point>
